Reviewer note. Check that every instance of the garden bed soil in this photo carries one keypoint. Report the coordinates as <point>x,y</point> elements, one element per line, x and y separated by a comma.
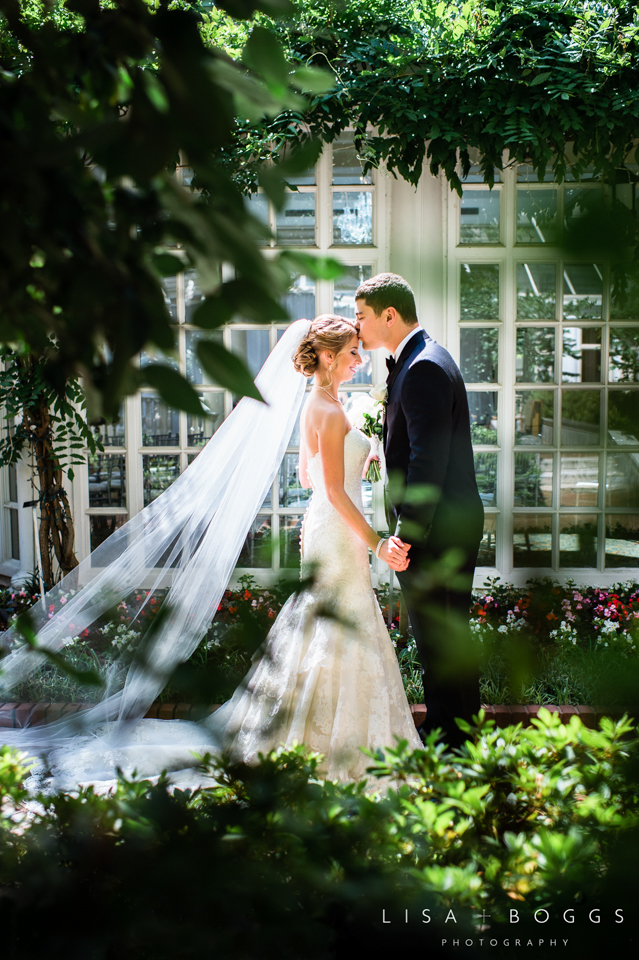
<point>35,714</point>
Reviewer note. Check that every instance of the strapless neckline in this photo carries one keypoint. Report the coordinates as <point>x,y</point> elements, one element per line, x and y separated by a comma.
<point>315,455</point>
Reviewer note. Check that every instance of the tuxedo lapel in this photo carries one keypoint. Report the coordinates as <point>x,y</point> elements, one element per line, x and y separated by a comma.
<point>411,347</point>
<point>406,353</point>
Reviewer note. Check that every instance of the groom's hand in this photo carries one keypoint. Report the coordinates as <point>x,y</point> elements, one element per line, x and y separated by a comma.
<point>395,553</point>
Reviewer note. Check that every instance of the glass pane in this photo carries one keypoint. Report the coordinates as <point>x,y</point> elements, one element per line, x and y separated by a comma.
<point>534,416</point>
<point>623,416</point>
<point>532,541</point>
<point>257,204</point>
<point>152,355</point>
<point>292,493</point>
<point>475,174</point>
<point>537,216</point>
<point>478,354</point>
<point>345,286</point>
<point>295,436</point>
<point>486,556</point>
<point>160,423</point>
<point>622,541</point>
<point>535,355</point>
<point>111,434</point>
<point>622,480</point>
<point>579,480</point>
<point>169,287</point>
<point>344,305</point>
<point>352,217</point>
<point>536,291</point>
<point>583,291</point>
<point>107,480</point>
<point>483,416</point>
<point>580,417</point>
<point>193,296</point>
<point>526,173</point>
<point>479,291</point>
<point>194,371</point>
<point>577,202</point>
<point>252,346</point>
<point>12,472</point>
<point>15,534</point>
<point>158,473</point>
<point>102,527</point>
<point>578,540</point>
<point>581,357</point>
<point>295,224</point>
<point>624,299</point>
<point>479,216</point>
<point>199,430</point>
<point>624,355</point>
<point>486,473</point>
<point>347,167</point>
<point>533,479</point>
<point>256,551</point>
<point>300,299</point>
<point>290,528</point>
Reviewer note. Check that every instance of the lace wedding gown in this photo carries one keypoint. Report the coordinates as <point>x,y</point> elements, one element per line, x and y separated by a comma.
<point>326,675</point>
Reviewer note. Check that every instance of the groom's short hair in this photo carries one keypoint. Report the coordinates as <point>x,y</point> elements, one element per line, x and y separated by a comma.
<point>389,290</point>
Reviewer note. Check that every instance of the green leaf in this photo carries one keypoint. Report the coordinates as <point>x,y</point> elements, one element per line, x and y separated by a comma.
<point>313,80</point>
<point>263,53</point>
<point>321,268</point>
<point>172,387</point>
<point>155,91</point>
<point>212,312</point>
<point>540,78</point>
<point>227,369</point>
<point>167,265</point>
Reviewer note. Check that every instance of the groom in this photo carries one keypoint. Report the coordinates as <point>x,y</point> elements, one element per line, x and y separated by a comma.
<point>429,458</point>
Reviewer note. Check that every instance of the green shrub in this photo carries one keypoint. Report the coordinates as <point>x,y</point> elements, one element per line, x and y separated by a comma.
<point>275,863</point>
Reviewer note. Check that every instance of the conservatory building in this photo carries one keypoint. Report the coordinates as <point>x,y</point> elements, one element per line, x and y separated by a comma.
<point>551,368</point>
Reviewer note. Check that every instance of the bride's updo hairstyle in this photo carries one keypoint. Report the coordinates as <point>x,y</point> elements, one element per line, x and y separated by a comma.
<point>328,332</point>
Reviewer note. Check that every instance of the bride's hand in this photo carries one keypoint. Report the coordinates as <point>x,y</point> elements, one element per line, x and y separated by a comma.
<point>369,460</point>
<point>394,552</point>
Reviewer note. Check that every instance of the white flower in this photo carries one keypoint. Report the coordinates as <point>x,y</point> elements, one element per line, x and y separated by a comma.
<point>379,393</point>
<point>357,407</point>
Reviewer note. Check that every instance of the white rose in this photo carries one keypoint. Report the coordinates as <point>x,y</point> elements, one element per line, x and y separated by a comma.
<point>379,392</point>
<point>357,407</point>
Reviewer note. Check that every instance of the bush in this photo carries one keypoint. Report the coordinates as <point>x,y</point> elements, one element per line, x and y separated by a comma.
<point>273,863</point>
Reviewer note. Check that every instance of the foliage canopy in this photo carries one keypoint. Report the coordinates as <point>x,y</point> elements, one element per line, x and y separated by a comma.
<point>433,79</point>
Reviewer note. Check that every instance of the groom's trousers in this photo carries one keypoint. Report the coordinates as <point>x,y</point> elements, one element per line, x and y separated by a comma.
<point>439,615</point>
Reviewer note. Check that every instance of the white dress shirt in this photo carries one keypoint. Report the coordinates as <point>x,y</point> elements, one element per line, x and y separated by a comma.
<point>401,346</point>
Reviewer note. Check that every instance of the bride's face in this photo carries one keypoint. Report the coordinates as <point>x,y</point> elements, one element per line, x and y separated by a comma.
<point>347,361</point>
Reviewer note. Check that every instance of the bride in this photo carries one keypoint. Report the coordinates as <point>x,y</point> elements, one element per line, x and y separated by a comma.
<point>326,675</point>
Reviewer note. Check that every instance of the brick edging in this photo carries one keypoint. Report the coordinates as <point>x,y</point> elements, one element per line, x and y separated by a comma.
<point>35,714</point>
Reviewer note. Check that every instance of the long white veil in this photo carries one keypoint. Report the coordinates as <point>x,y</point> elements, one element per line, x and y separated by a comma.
<point>195,531</point>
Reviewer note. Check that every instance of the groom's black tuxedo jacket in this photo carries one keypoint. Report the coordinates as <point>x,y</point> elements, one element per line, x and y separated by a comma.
<point>427,442</point>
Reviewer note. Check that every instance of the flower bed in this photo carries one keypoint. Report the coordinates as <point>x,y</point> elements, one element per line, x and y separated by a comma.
<point>544,643</point>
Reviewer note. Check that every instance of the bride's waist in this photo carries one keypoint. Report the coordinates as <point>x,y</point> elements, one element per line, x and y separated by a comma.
<point>320,504</point>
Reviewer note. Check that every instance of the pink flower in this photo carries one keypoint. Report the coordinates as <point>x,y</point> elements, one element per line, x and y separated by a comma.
<point>63,599</point>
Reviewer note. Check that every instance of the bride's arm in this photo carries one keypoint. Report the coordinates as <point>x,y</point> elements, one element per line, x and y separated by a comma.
<point>302,472</point>
<point>330,434</point>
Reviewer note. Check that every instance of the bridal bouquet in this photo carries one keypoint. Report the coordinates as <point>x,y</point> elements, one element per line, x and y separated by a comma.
<point>366,413</point>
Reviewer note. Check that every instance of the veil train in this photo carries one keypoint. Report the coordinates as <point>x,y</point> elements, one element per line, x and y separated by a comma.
<point>195,529</point>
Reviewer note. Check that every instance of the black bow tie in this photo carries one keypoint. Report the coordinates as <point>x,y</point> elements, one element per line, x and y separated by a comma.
<point>390,363</point>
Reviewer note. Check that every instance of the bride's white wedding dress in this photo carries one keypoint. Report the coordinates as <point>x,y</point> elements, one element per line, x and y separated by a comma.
<point>326,675</point>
